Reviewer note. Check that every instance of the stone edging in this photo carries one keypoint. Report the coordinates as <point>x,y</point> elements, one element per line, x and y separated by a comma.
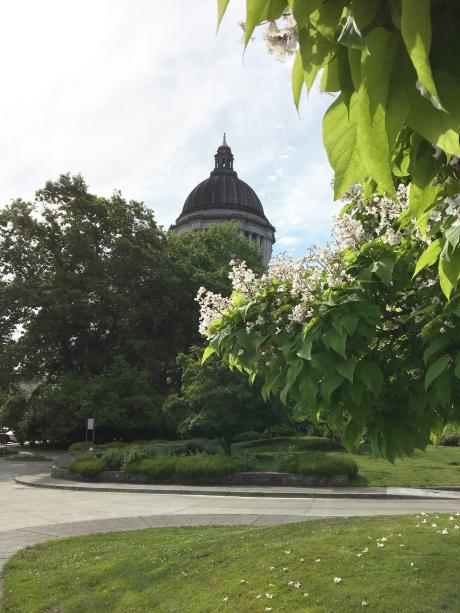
<point>243,478</point>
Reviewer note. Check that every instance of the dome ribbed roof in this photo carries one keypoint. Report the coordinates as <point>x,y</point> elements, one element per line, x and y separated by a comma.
<point>223,189</point>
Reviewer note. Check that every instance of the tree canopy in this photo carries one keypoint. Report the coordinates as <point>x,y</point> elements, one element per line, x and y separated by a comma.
<point>97,301</point>
<point>365,331</point>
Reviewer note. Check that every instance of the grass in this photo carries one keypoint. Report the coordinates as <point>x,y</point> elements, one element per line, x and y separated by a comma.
<point>437,466</point>
<point>236,569</point>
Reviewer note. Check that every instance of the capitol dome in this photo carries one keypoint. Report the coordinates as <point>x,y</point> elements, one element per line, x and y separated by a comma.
<point>222,197</point>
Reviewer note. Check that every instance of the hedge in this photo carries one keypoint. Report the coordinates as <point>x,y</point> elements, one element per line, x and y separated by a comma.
<point>317,463</point>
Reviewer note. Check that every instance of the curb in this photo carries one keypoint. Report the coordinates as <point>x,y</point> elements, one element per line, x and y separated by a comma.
<point>238,494</point>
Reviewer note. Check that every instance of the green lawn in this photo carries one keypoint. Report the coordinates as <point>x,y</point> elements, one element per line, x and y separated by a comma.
<point>437,466</point>
<point>246,569</point>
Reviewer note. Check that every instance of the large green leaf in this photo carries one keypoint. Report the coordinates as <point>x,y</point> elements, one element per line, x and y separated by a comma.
<point>370,374</point>
<point>397,108</point>
<point>340,140</point>
<point>429,256</point>
<point>384,270</point>
<point>258,11</point>
<point>326,18</point>
<point>364,11</point>
<point>438,127</point>
<point>297,79</point>
<point>449,272</point>
<point>423,190</point>
<point>302,9</point>
<point>434,347</point>
<point>436,369</point>
<point>347,369</point>
<point>376,70</point>
<point>308,390</point>
<point>329,385</point>
<point>315,51</point>
<point>221,8</point>
<point>416,33</point>
<point>207,353</point>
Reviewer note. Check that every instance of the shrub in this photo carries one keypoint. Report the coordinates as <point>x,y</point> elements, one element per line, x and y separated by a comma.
<point>89,466</point>
<point>452,439</point>
<point>135,453</point>
<point>245,437</point>
<point>200,467</point>
<point>81,446</point>
<point>113,458</point>
<point>317,463</point>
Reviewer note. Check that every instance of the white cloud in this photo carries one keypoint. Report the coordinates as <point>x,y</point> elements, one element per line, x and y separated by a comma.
<point>136,95</point>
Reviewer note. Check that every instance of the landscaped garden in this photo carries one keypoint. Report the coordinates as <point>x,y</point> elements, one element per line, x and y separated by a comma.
<point>200,461</point>
<point>383,564</point>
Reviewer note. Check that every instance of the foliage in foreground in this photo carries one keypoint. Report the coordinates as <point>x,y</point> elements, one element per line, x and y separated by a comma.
<point>383,564</point>
<point>349,333</point>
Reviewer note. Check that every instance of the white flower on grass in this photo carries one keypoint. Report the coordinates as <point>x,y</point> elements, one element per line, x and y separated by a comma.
<point>268,608</point>
<point>225,598</point>
<point>318,560</point>
<point>380,544</point>
<point>243,581</point>
<point>366,549</point>
<point>364,603</point>
<point>305,594</point>
<point>297,584</point>
<point>445,531</point>
<point>259,596</point>
<point>337,579</point>
<point>288,551</point>
<point>302,560</point>
<point>456,527</point>
<point>272,568</point>
<point>269,596</point>
<point>451,518</point>
<point>434,525</point>
<point>423,521</point>
<point>285,569</point>
<point>358,555</point>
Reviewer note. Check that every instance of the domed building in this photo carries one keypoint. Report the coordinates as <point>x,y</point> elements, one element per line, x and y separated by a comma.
<point>225,197</point>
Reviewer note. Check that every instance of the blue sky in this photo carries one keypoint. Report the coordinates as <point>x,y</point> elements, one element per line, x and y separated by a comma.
<point>136,96</point>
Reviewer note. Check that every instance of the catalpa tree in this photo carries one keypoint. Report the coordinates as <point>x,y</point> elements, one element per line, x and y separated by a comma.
<point>365,331</point>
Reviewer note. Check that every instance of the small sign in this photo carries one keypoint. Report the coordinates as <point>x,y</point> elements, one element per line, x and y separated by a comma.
<point>90,425</point>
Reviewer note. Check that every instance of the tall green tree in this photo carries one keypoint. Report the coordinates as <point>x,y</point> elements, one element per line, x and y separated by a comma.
<point>85,279</point>
<point>216,403</point>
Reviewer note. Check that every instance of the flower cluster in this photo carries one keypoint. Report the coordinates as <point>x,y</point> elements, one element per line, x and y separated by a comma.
<point>212,307</point>
<point>282,38</point>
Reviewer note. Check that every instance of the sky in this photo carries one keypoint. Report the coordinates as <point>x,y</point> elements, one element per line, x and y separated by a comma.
<point>136,94</point>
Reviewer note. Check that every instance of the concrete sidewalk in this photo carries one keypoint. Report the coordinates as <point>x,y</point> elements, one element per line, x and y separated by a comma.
<point>369,493</point>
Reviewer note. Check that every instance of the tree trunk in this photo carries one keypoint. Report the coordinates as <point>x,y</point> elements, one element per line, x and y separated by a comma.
<point>227,445</point>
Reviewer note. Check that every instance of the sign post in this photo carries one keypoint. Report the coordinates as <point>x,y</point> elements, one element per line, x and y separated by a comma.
<point>90,425</point>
